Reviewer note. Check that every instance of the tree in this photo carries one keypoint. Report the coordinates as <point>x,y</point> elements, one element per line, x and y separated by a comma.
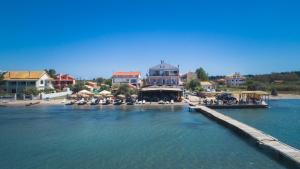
<point>274,92</point>
<point>199,89</point>
<point>193,84</point>
<point>104,87</point>
<point>48,90</point>
<point>201,74</point>
<point>1,78</point>
<point>31,91</point>
<point>100,80</point>
<point>254,85</point>
<point>124,89</point>
<point>77,87</point>
<point>51,72</point>
<point>108,81</point>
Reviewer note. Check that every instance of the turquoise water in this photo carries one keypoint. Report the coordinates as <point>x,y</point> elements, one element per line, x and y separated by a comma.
<point>281,120</point>
<point>168,137</point>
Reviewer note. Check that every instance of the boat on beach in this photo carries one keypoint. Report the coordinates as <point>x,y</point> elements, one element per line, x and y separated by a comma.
<point>118,102</point>
<point>32,103</point>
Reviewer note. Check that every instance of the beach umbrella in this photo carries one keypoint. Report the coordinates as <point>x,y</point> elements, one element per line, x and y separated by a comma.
<point>109,95</point>
<point>134,96</point>
<point>73,96</point>
<point>82,92</point>
<point>99,96</point>
<point>105,92</point>
<point>121,96</point>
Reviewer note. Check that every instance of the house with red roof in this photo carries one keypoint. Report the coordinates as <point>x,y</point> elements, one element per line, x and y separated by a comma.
<point>131,78</point>
<point>63,80</point>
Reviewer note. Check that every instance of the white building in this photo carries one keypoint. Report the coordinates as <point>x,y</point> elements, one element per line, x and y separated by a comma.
<point>235,80</point>
<point>132,78</point>
<point>17,81</point>
<point>163,75</point>
<point>207,86</point>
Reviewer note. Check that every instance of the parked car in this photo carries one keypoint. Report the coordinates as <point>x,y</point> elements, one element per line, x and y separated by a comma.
<point>226,97</point>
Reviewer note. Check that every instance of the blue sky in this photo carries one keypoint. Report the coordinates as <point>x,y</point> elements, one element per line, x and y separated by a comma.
<point>94,38</point>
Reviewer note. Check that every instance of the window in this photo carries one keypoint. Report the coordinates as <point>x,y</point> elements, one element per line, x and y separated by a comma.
<point>22,83</point>
<point>133,81</point>
<point>12,83</point>
<point>42,82</point>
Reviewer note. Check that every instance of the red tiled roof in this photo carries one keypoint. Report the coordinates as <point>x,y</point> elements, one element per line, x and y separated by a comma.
<point>126,73</point>
<point>65,77</point>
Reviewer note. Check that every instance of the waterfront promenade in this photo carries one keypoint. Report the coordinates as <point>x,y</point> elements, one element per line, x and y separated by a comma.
<point>290,155</point>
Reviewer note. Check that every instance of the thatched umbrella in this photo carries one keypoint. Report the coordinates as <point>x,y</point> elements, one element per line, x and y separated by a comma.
<point>121,96</point>
<point>134,96</point>
<point>105,92</point>
<point>85,95</point>
<point>73,96</point>
<point>99,96</point>
<point>85,92</point>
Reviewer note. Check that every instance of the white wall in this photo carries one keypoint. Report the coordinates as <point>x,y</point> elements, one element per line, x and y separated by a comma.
<point>45,78</point>
<point>59,94</point>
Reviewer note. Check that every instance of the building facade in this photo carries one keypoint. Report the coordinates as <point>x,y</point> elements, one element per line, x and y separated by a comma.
<point>163,75</point>
<point>186,78</point>
<point>208,86</point>
<point>131,78</point>
<point>163,84</point>
<point>17,81</point>
<point>63,80</point>
<point>235,80</point>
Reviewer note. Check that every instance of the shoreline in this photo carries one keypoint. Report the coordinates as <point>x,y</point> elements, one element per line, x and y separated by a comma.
<point>59,102</point>
<point>285,97</point>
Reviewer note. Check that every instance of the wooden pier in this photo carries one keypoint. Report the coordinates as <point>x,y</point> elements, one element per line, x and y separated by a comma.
<point>237,106</point>
<point>289,155</point>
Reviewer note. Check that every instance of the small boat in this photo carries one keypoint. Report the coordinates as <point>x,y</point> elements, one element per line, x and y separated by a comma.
<point>70,103</point>
<point>161,102</point>
<point>95,101</point>
<point>107,102</point>
<point>32,103</point>
<point>118,102</point>
<point>130,101</point>
<point>82,103</point>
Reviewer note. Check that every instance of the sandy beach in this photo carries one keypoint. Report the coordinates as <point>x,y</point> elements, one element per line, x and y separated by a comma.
<point>284,96</point>
<point>55,102</point>
<point>4,103</point>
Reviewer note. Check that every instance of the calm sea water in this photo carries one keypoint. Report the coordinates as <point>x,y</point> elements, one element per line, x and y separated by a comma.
<point>168,137</point>
<point>281,120</point>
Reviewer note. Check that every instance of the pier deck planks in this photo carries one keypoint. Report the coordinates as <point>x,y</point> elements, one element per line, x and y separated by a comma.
<point>263,139</point>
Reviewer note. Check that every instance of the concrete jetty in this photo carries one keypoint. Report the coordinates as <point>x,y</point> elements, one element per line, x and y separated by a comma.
<point>283,151</point>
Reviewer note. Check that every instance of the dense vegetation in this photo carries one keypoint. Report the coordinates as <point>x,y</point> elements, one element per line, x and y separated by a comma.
<point>1,78</point>
<point>124,89</point>
<point>78,86</point>
<point>101,80</point>
<point>201,74</point>
<point>51,73</point>
<point>288,82</point>
<point>284,81</point>
<point>194,85</point>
